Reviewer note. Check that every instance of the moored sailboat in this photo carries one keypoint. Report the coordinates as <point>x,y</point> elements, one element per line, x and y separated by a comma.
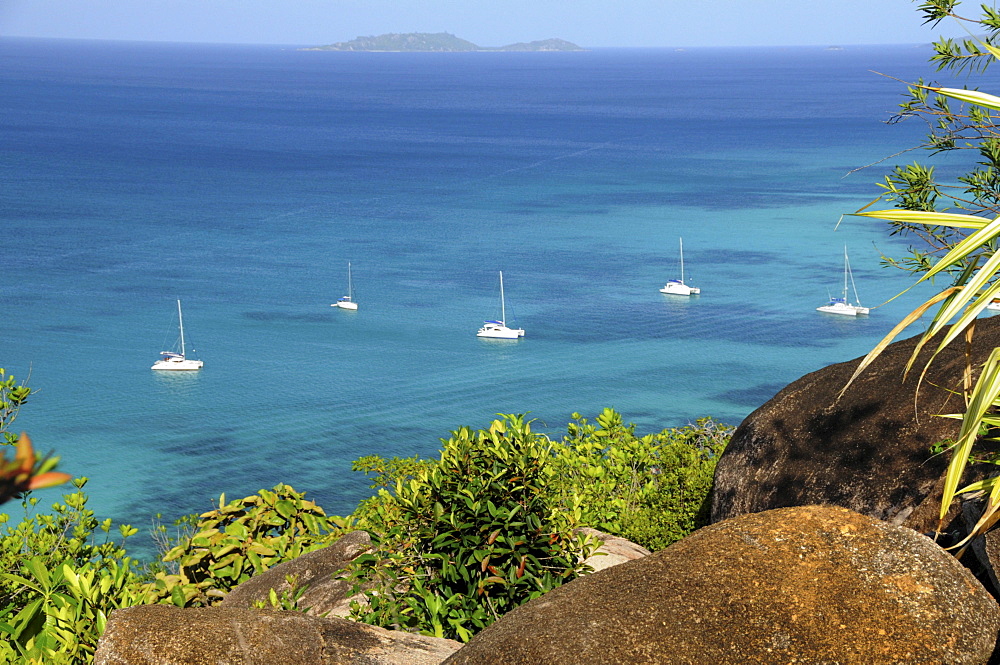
<point>174,360</point>
<point>499,329</point>
<point>841,305</point>
<point>677,287</point>
<point>347,302</point>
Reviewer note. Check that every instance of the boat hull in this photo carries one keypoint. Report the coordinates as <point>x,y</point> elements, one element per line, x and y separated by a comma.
<point>677,288</point>
<point>345,304</point>
<point>842,309</point>
<point>492,331</point>
<point>178,364</point>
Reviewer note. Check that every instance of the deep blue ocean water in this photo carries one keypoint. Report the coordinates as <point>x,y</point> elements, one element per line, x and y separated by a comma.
<point>242,179</point>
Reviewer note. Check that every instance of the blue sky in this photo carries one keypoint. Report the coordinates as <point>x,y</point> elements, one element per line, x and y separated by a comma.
<point>589,23</point>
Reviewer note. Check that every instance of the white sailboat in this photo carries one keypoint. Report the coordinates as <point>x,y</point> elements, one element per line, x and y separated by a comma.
<point>347,302</point>
<point>172,360</point>
<point>841,305</point>
<point>499,329</point>
<point>677,287</point>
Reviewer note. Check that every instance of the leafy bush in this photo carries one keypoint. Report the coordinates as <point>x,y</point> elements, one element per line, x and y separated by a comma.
<point>54,607</point>
<point>460,540</point>
<point>67,535</point>
<point>375,511</point>
<point>470,537</point>
<point>652,490</point>
<point>239,539</point>
<point>69,609</point>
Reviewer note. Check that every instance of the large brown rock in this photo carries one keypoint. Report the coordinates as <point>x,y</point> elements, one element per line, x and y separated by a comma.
<point>868,450</point>
<point>167,635</point>
<point>321,572</point>
<point>796,585</point>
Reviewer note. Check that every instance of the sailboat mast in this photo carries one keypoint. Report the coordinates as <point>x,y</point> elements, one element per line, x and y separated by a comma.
<point>503,308</point>
<point>857,300</point>
<point>180,321</point>
<point>846,268</point>
<point>350,288</point>
<point>682,259</point>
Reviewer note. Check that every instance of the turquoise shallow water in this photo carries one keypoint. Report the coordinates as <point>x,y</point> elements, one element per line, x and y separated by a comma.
<point>243,179</point>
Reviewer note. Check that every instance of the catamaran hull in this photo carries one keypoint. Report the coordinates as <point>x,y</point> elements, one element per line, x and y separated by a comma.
<point>494,332</point>
<point>680,289</point>
<point>842,309</point>
<point>346,305</point>
<point>178,365</point>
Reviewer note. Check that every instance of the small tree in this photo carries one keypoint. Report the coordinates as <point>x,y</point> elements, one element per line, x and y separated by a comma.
<point>470,537</point>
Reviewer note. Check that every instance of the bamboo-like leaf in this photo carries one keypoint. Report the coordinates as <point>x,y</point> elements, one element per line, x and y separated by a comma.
<point>984,485</point>
<point>936,325</point>
<point>986,521</point>
<point>972,288</point>
<point>969,244</point>
<point>992,49</point>
<point>983,395</point>
<point>967,303</point>
<point>966,246</point>
<point>899,327</point>
<point>968,96</point>
<point>974,309</point>
<point>951,219</point>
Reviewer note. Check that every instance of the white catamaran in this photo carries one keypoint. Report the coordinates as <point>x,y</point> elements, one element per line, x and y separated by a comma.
<point>677,287</point>
<point>499,329</point>
<point>841,305</point>
<point>172,360</point>
<point>347,302</point>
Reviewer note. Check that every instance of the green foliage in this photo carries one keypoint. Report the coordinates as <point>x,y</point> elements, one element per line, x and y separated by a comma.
<point>968,244</point>
<point>287,599</point>
<point>12,396</point>
<point>470,537</point>
<point>387,471</point>
<point>54,607</point>
<point>239,539</point>
<point>954,125</point>
<point>66,535</point>
<point>969,54</point>
<point>652,490</point>
<point>68,610</point>
<point>373,512</point>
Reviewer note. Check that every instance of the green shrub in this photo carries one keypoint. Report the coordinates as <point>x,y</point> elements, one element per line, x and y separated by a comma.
<point>470,537</point>
<point>59,583</point>
<point>68,610</point>
<point>372,513</point>
<point>238,540</point>
<point>67,535</point>
<point>652,490</point>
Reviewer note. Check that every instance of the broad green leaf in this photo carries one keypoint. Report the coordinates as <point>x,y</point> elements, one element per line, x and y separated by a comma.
<point>285,508</point>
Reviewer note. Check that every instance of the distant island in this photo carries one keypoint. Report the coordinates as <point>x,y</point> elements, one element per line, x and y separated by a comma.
<point>438,42</point>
